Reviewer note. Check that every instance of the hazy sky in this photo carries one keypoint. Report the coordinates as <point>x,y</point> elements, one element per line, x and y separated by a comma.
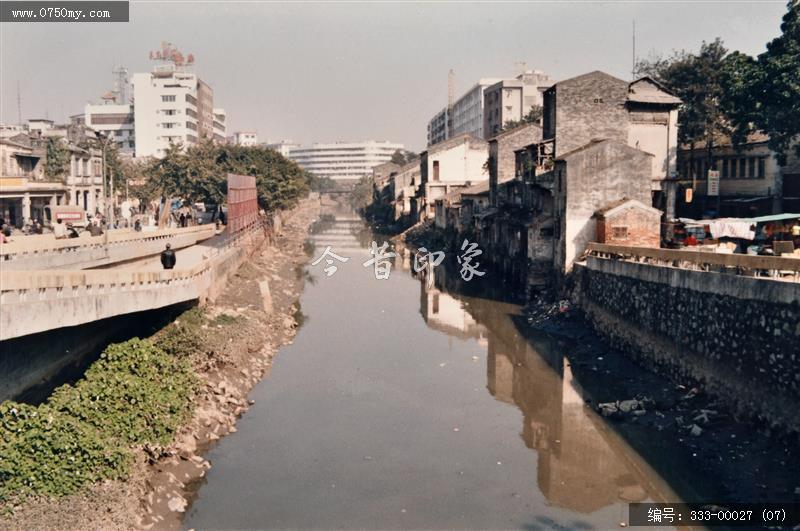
<point>354,71</point>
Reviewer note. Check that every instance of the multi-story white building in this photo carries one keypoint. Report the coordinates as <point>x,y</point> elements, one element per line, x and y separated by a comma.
<point>284,147</point>
<point>220,125</point>
<point>171,106</point>
<point>438,127</point>
<point>344,160</point>
<point>466,116</point>
<point>114,120</point>
<point>244,138</point>
<point>467,113</point>
<point>512,99</point>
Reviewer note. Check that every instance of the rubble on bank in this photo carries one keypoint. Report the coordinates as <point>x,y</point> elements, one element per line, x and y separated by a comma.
<point>671,422</point>
<point>231,347</point>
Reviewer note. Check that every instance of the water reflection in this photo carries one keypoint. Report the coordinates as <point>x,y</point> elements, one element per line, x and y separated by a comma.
<point>582,465</point>
<point>377,416</point>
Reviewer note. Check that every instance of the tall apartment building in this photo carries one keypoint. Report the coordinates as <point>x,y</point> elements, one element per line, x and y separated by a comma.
<point>438,127</point>
<point>344,160</point>
<point>469,113</point>
<point>512,99</point>
<point>466,116</point>
<point>168,110</point>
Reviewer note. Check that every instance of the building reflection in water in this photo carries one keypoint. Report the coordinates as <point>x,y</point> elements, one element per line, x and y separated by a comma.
<point>582,464</point>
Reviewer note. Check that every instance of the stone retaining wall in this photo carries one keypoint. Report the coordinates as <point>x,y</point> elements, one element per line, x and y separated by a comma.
<point>739,336</point>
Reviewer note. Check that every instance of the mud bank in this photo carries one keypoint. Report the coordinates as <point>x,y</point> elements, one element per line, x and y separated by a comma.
<point>231,346</point>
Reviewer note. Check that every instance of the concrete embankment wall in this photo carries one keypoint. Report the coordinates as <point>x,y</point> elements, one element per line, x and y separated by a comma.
<point>740,336</point>
<point>37,301</point>
<point>43,252</point>
<point>55,322</point>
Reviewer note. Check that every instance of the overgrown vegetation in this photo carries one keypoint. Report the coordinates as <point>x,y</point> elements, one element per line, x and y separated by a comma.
<point>733,94</point>
<point>534,116</point>
<point>136,393</point>
<point>199,174</point>
<point>57,159</point>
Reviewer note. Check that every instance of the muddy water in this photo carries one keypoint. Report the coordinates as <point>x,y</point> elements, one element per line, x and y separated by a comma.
<point>401,405</point>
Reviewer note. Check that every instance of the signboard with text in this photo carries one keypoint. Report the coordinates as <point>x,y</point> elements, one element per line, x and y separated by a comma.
<point>713,182</point>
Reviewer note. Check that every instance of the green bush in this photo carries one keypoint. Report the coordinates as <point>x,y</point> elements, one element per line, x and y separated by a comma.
<point>135,392</point>
<point>47,452</point>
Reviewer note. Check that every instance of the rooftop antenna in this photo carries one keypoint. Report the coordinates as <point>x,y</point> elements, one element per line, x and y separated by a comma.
<point>633,63</point>
<point>523,66</point>
<point>19,105</point>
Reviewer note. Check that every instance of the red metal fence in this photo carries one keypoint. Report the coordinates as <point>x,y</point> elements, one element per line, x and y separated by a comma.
<point>242,202</point>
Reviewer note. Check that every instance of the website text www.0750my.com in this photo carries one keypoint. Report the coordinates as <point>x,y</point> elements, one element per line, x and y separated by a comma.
<point>59,13</point>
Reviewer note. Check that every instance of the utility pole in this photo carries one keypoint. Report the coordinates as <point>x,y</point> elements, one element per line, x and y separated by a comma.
<point>633,59</point>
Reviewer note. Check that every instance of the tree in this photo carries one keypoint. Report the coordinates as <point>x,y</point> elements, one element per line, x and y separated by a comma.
<point>57,159</point>
<point>402,157</point>
<point>764,93</point>
<point>533,116</point>
<point>699,81</point>
<point>199,174</point>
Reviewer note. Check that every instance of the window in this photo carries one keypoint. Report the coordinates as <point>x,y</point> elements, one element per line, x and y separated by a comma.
<point>619,233</point>
<point>168,125</point>
<point>742,168</point>
<point>733,169</point>
<point>435,170</point>
<point>761,167</point>
<point>724,173</point>
<point>751,167</point>
<point>167,98</point>
<point>169,112</point>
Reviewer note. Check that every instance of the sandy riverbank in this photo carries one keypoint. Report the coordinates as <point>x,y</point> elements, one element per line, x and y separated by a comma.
<point>234,341</point>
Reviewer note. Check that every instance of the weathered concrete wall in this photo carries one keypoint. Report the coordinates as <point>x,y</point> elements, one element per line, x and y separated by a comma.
<point>740,336</point>
<point>36,301</point>
<point>588,107</point>
<point>588,180</point>
<point>45,252</point>
<point>502,163</point>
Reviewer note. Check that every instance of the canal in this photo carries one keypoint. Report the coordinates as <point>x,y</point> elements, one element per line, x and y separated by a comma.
<point>404,405</point>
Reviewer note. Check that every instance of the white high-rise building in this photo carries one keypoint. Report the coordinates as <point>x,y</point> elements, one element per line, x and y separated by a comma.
<point>171,106</point>
<point>466,116</point>
<point>344,160</point>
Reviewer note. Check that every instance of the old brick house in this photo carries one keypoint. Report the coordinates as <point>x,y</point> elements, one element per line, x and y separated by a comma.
<point>586,180</point>
<point>629,222</point>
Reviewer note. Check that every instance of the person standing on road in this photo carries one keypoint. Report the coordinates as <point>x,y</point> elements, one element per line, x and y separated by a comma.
<point>168,257</point>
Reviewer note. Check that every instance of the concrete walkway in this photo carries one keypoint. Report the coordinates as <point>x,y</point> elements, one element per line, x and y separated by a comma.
<point>185,258</point>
